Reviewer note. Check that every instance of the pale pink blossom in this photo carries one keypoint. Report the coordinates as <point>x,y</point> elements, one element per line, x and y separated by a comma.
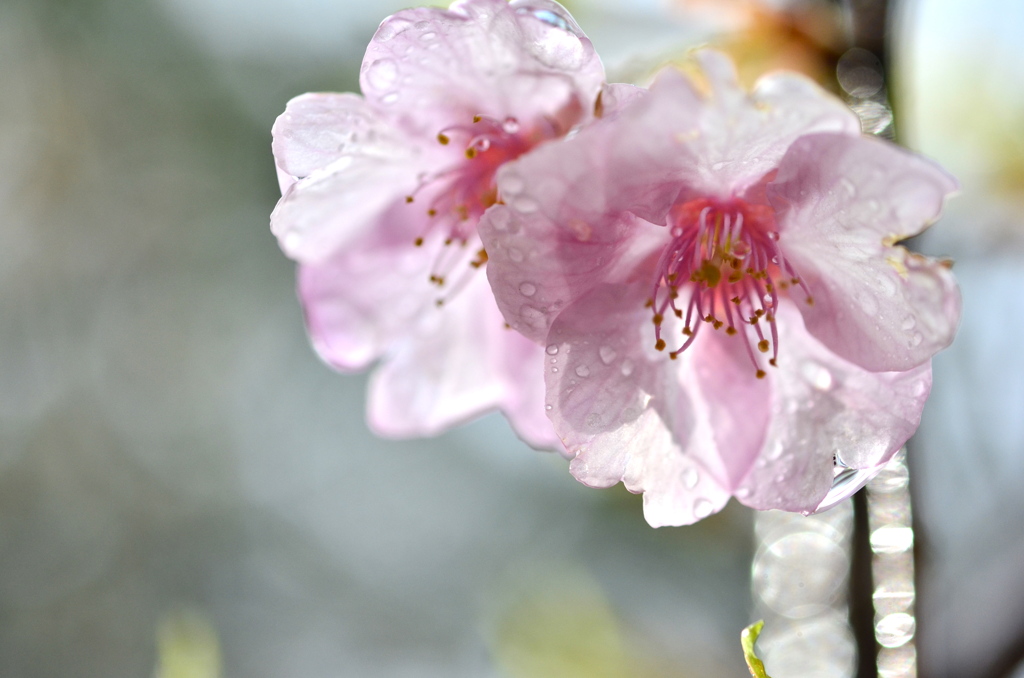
<point>725,308</point>
<point>382,194</point>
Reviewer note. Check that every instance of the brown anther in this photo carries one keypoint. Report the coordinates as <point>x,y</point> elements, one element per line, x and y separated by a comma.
<point>657,318</point>
<point>418,242</point>
<point>671,277</point>
<point>678,312</point>
<point>470,152</point>
<point>770,318</point>
<point>760,374</point>
<point>717,324</point>
<point>447,241</point>
<point>463,212</point>
<point>810,301</point>
<point>946,263</point>
<point>660,344</point>
<point>443,139</point>
<point>477,118</point>
<point>481,259</point>
<point>773,363</point>
<point>598,106</point>
<point>408,198</point>
<point>762,346</point>
<point>687,331</point>
<point>735,300</point>
<point>769,288</point>
<point>649,303</point>
<point>708,318</point>
<point>735,277</point>
<point>439,302</point>
<point>730,330</point>
<point>507,326</point>
<point>783,285</point>
<point>753,319</point>
<point>431,213</point>
<point>795,280</point>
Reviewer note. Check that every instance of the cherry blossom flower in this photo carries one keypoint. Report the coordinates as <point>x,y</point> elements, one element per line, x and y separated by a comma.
<point>717,278</point>
<point>382,194</point>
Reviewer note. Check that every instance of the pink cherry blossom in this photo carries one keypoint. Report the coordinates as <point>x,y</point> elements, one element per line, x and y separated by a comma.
<point>717,280</point>
<point>382,194</point>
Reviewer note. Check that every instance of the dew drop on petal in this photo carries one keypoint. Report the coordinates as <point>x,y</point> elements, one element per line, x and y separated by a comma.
<point>527,289</point>
<point>429,36</point>
<point>920,388</point>
<point>908,323</point>
<point>702,508</point>
<point>690,478</point>
<point>533,316</point>
<point>549,407</point>
<point>818,376</point>
<point>867,302</point>
<point>512,184</point>
<point>918,338</point>
<point>552,349</point>
<point>743,493</point>
<point>525,205</point>
<point>382,74</point>
<point>626,367</point>
<point>582,371</point>
<point>607,354</point>
<point>389,98</point>
<point>554,370</point>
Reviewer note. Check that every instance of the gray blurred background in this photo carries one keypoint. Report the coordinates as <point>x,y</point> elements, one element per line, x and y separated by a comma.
<point>185,490</point>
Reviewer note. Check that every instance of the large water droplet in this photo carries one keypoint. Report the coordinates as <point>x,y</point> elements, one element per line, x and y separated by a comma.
<point>607,354</point>
<point>525,205</point>
<point>908,323</point>
<point>702,508</point>
<point>511,184</point>
<point>511,125</point>
<point>552,349</point>
<point>690,478</point>
<point>582,371</point>
<point>533,316</point>
<point>527,289</point>
<point>429,36</point>
<point>818,376</point>
<point>382,74</point>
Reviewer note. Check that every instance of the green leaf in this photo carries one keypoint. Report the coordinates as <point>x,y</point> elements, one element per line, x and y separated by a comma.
<point>747,640</point>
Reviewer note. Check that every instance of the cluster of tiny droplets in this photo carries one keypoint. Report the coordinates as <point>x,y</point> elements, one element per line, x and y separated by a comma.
<point>469,189</point>
<point>736,272</point>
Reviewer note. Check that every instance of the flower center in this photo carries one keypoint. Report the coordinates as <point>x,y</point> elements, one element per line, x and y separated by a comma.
<point>726,255</point>
<point>462,192</point>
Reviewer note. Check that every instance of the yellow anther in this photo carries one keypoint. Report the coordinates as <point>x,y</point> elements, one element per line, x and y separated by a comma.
<point>418,242</point>
<point>760,374</point>
<point>470,152</point>
<point>443,139</point>
<point>735,300</point>
<point>408,198</point>
<point>477,118</point>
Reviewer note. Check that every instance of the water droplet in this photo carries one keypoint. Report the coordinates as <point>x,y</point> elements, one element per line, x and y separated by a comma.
<point>607,354</point>
<point>511,184</point>
<point>554,370</point>
<point>867,302</point>
<point>382,74</point>
<point>547,16</point>
<point>627,367</point>
<point>702,508</point>
<point>775,451</point>
<point>773,235</point>
<point>918,338</point>
<point>908,323</point>
<point>428,36</point>
<point>511,125</point>
<point>292,239</point>
<point>848,186</point>
<point>818,376</point>
<point>582,371</point>
<point>691,478</point>
<point>525,205</point>
<point>392,27</point>
<point>549,407</point>
<point>896,629</point>
<point>533,316</point>
<point>552,349</point>
<point>920,388</point>
<point>527,289</point>
<point>743,493</point>
<point>389,98</point>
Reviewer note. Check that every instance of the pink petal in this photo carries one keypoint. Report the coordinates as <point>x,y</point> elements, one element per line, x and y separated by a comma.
<point>333,206</point>
<point>842,204</point>
<point>729,139</point>
<point>456,363</point>
<point>682,432</point>
<point>365,296</point>
<point>482,57</point>
<point>823,405</point>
